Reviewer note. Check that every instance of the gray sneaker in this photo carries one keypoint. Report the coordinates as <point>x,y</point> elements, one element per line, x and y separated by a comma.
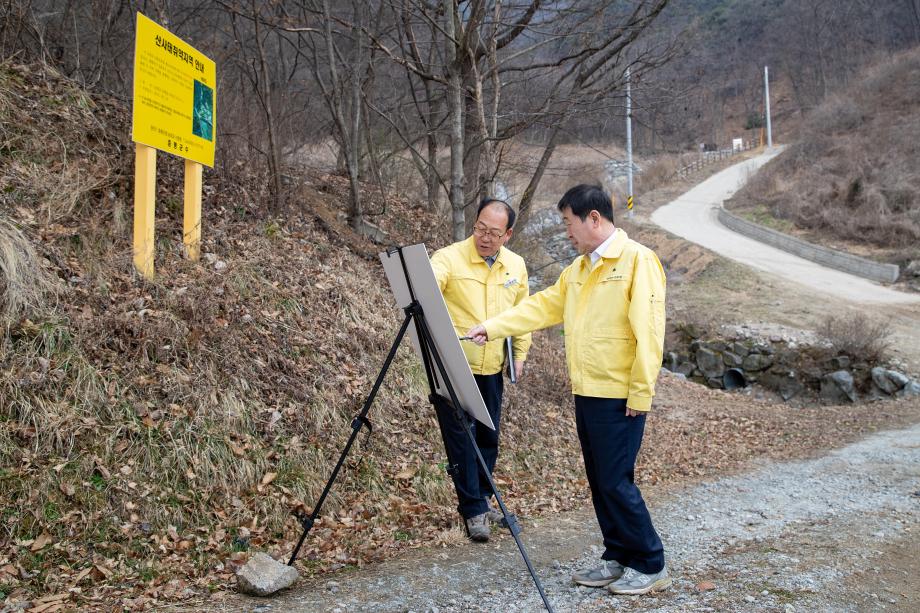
<point>634,582</point>
<point>478,528</point>
<point>498,518</point>
<point>608,572</point>
<point>495,516</point>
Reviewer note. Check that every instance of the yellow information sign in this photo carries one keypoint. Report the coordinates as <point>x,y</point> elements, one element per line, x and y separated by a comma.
<point>174,94</point>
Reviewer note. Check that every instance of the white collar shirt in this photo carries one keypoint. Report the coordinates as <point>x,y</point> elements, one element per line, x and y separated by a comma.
<point>597,253</point>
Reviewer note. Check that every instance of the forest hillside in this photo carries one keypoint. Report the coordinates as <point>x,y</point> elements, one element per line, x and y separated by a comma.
<point>850,179</point>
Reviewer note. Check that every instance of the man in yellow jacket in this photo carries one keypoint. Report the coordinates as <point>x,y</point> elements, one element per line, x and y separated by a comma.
<point>480,278</point>
<point>611,303</point>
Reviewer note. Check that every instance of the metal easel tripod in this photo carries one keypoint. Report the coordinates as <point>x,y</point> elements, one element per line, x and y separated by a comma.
<point>434,368</point>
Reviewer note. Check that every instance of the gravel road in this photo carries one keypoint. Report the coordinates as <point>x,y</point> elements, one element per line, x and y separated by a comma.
<point>693,216</point>
<point>837,533</point>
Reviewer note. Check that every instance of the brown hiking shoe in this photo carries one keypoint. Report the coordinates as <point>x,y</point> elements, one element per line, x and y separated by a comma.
<point>478,528</point>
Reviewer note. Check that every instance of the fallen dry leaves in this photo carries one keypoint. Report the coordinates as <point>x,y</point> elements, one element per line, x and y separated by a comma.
<point>155,433</point>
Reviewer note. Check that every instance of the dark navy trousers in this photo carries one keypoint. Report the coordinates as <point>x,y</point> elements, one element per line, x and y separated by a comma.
<point>473,490</point>
<point>610,442</point>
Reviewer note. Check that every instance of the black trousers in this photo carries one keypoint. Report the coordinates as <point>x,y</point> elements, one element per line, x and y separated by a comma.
<point>473,490</point>
<point>610,442</point>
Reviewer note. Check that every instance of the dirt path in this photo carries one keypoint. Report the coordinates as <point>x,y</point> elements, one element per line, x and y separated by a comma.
<point>693,217</point>
<point>836,533</point>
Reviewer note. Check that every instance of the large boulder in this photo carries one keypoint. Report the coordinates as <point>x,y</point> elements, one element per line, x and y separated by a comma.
<point>732,360</point>
<point>757,361</point>
<point>709,363</point>
<point>911,389</point>
<point>838,387</point>
<point>783,382</point>
<point>740,349</point>
<point>912,269</point>
<point>685,368</point>
<point>889,381</point>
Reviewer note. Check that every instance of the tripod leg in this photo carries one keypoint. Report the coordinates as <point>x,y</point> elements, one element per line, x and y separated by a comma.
<point>308,521</point>
<point>429,346</point>
<point>511,522</point>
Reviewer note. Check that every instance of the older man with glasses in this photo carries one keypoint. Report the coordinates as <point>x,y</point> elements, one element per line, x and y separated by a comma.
<point>479,278</point>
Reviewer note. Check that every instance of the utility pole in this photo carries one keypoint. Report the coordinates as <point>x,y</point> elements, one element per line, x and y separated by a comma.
<point>766,94</point>
<point>629,161</point>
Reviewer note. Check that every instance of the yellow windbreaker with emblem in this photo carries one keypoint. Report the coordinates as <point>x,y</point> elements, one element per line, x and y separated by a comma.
<point>474,292</point>
<point>613,317</point>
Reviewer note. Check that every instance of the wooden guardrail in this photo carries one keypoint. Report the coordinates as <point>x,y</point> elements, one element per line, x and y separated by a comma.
<point>705,158</point>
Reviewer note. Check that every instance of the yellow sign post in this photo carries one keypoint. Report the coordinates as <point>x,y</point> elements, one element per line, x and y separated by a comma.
<point>174,111</point>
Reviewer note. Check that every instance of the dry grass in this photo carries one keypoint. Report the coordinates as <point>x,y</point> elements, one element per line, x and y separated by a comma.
<point>659,172</point>
<point>853,177</point>
<point>858,337</point>
<point>152,429</point>
<point>26,287</point>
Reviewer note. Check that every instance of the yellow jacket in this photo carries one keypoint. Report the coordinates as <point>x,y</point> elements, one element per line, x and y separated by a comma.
<point>613,316</point>
<point>474,292</point>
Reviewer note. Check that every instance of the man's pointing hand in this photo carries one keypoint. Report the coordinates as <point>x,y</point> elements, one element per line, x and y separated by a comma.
<point>478,334</point>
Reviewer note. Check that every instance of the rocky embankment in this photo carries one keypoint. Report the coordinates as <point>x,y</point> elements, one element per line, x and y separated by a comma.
<point>798,365</point>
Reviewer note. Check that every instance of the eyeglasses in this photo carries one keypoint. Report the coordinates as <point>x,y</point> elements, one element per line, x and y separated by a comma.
<point>480,230</point>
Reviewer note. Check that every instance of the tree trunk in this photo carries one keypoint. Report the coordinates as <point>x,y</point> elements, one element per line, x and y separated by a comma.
<point>356,214</point>
<point>432,179</point>
<point>455,106</point>
<point>274,153</point>
<point>524,207</point>
<point>472,163</point>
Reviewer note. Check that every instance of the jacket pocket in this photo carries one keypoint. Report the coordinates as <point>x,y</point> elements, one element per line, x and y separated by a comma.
<point>610,354</point>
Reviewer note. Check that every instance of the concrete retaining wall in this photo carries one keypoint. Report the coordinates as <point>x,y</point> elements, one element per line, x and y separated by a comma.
<point>875,271</point>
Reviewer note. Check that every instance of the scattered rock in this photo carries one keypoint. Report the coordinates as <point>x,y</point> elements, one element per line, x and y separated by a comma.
<point>263,575</point>
<point>757,361</point>
<point>838,387</point>
<point>911,389</point>
<point>740,349</point>
<point>784,382</point>
<point>705,586</point>
<point>912,269</point>
<point>889,381</point>
<point>709,363</point>
<point>685,369</point>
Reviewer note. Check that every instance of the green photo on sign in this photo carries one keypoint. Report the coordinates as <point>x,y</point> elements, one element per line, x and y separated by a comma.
<point>203,111</point>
